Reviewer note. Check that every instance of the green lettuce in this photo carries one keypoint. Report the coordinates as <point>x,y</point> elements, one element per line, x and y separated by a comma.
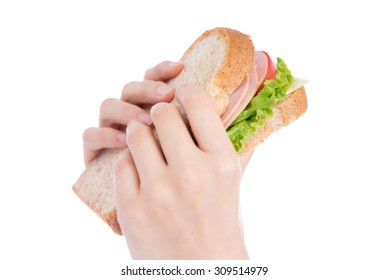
<point>260,107</point>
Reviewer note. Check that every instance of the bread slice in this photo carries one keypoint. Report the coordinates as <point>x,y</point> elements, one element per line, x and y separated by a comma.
<point>288,110</point>
<point>217,61</point>
<point>95,186</point>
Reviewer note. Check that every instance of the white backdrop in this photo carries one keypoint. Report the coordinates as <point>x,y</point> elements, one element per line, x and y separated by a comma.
<point>315,196</point>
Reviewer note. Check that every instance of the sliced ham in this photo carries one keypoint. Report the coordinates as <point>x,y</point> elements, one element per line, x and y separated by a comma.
<point>236,97</point>
<point>242,96</point>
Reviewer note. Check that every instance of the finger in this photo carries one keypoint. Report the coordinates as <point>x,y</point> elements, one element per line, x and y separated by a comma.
<point>96,139</point>
<point>147,92</point>
<point>204,121</point>
<point>126,183</point>
<point>145,151</point>
<point>164,71</point>
<point>175,139</point>
<point>114,111</point>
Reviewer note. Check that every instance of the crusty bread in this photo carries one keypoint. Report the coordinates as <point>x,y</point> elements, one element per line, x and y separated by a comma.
<point>95,186</point>
<point>288,110</point>
<point>217,61</point>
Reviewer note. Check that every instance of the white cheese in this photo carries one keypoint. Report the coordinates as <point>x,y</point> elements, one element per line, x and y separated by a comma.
<point>296,84</point>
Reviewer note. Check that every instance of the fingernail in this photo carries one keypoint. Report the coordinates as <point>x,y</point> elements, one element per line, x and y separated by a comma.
<point>145,118</point>
<point>121,138</point>
<point>156,106</point>
<point>162,90</point>
<point>173,64</point>
<point>131,125</point>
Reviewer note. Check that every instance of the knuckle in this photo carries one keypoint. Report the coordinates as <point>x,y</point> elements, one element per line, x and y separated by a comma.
<point>106,104</point>
<point>155,72</point>
<point>128,88</point>
<point>229,168</point>
<point>86,135</point>
<point>140,90</point>
<point>148,73</point>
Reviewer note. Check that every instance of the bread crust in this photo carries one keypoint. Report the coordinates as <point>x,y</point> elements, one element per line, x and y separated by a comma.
<point>237,62</point>
<point>110,217</point>
<point>288,110</point>
<point>94,192</point>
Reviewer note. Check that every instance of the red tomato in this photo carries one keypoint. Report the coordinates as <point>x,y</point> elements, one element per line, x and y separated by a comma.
<point>271,68</point>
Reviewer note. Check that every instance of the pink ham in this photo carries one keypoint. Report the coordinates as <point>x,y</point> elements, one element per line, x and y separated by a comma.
<point>241,97</point>
<point>236,97</point>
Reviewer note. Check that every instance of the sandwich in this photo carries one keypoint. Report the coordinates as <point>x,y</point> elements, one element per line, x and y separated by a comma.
<point>253,96</point>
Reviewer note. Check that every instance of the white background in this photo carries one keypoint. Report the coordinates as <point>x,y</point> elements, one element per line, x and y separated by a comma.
<point>315,196</point>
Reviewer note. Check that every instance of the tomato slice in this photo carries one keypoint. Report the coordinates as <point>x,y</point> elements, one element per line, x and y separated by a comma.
<point>271,69</point>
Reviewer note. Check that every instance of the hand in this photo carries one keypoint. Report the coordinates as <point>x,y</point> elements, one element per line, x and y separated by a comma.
<point>178,199</point>
<point>116,113</point>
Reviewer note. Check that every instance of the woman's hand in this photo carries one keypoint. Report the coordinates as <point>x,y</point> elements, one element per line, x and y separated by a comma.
<point>116,113</point>
<point>178,199</point>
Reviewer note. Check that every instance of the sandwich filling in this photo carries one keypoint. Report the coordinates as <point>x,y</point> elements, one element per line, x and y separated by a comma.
<point>254,99</point>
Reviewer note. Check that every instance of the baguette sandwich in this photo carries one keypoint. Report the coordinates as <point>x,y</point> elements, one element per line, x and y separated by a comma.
<point>253,96</point>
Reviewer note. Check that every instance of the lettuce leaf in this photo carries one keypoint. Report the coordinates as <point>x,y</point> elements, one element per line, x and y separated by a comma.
<point>260,107</point>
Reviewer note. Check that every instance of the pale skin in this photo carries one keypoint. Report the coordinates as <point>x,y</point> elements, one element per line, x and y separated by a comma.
<point>179,198</point>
